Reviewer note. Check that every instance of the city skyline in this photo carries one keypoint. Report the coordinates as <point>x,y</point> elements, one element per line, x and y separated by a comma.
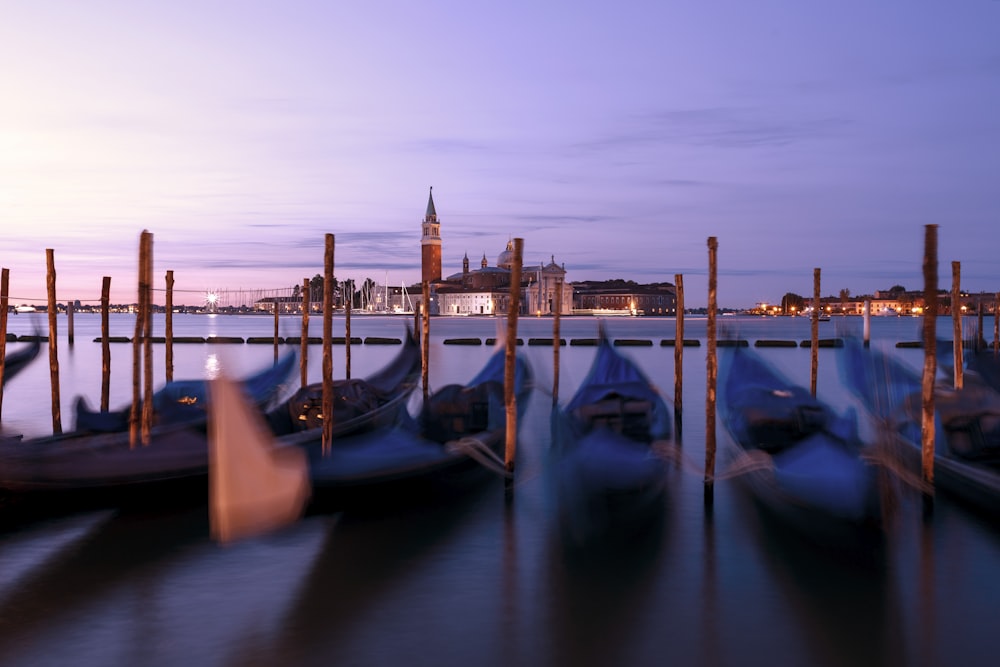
<point>616,138</point>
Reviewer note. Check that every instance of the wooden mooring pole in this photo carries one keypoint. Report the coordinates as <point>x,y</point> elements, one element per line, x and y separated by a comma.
<point>147,338</point>
<point>814,338</point>
<point>70,336</point>
<point>328,287</point>
<point>50,283</point>
<point>556,344</point>
<point>105,343</point>
<point>930,359</point>
<point>425,350</point>
<point>304,340</point>
<point>277,313</point>
<point>349,288</point>
<point>712,371</point>
<point>4,305</point>
<point>510,397</point>
<point>996,324</point>
<point>168,328</point>
<point>956,323</point>
<point>679,356</point>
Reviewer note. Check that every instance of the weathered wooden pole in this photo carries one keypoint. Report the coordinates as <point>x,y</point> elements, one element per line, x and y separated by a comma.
<point>814,337</point>
<point>70,336</point>
<point>50,283</point>
<point>168,328</point>
<point>980,336</point>
<point>304,340</point>
<point>867,315</point>
<point>510,397</point>
<point>349,288</point>
<point>996,324</point>
<point>147,338</point>
<point>105,344</point>
<point>4,305</point>
<point>556,342</point>
<point>956,321</point>
<point>712,371</point>
<point>134,416</point>
<point>678,355</point>
<point>277,308</point>
<point>425,358</point>
<point>328,287</point>
<point>930,356</point>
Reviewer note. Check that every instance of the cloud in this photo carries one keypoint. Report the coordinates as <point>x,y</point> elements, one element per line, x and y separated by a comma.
<point>719,127</point>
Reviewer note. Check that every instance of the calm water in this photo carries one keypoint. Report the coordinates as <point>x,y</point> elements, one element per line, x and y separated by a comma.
<point>480,581</point>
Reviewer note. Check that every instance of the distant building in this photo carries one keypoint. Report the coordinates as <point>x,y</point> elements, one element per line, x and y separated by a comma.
<point>486,290</point>
<point>619,297</point>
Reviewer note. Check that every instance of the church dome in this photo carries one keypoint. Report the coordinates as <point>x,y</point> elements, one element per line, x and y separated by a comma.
<point>506,258</point>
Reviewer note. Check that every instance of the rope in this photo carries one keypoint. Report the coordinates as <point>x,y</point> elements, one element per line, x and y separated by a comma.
<point>747,462</point>
<point>480,452</point>
<point>669,451</point>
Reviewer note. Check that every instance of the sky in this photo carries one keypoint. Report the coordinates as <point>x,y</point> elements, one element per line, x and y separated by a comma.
<point>615,136</point>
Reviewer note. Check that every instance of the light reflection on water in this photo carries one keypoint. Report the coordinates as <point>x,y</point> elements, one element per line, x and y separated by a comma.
<point>477,580</point>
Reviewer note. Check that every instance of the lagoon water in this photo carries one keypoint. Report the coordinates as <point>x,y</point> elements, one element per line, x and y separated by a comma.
<point>479,581</point>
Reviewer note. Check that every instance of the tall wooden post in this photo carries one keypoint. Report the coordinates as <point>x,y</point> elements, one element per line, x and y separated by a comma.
<point>134,416</point>
<point>679,356</point>
<point>980,336</point>
<point>4,305</point>
<point>814,347</point>
<point>168,328</point>
<point>425,359</point>
<point>349,288</point>
<point>956,321</point>
<point>304,340</point>
<point>328,287</point>
<point>556,342</point>
<point>996,324</point>
<point>712,370</point>
<point>105,344</point>
<point>70,335</point>
<point>930,354</point>
<point>50,283</point>
<point>147,338</point>
<point>277,310</point>
<point>510,398</point>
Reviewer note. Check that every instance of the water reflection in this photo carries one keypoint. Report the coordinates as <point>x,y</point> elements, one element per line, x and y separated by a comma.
<point>845,604</point>
<point>363,557</point>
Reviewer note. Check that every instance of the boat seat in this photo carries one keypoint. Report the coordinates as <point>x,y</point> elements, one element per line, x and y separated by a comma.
<point>631,417</point>
<point>351,398</point>
<point>456,410</point>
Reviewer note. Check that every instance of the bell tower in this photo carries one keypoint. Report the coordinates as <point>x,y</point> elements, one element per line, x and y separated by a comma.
<point>430,243</point>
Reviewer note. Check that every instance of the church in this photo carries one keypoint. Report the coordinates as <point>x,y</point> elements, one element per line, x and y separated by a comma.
<point>486,290</point>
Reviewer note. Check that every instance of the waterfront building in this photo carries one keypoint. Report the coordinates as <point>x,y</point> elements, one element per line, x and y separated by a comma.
<point>610,298</point>
<point>485,290</point>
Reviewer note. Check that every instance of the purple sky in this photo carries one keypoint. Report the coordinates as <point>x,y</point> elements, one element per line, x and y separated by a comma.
<point>616,136</point>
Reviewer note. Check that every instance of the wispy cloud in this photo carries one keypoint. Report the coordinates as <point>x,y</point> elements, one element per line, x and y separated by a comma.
<point>718,127</point>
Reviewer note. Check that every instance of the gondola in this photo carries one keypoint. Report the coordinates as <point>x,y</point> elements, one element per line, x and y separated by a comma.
<point>358,404</point>
<point>457,433</point>
<point>17,361</point>
<point>804,464</point>
<point>608,480</point>
<point>182,401</point>
<point>88,469</point>
<point>967,424</point>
